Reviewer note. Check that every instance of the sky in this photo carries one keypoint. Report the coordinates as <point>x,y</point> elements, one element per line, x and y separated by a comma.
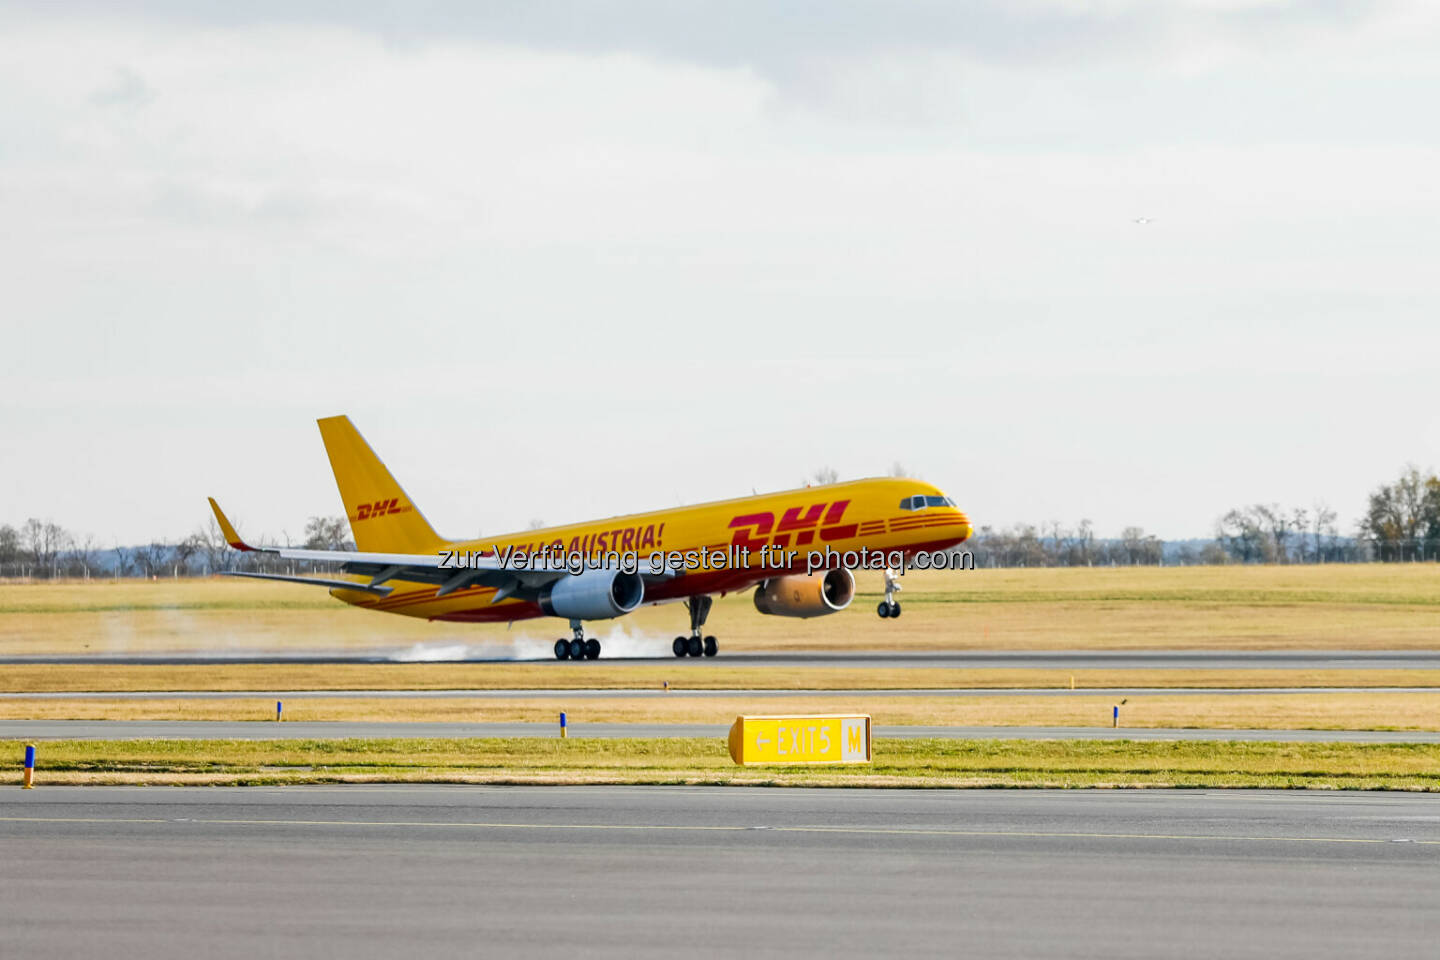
<point>1131,261</point>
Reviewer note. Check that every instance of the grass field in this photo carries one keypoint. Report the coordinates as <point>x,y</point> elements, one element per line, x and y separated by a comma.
<point>898,763</point>
<point>1366,606</point>
<point>1312,711</point>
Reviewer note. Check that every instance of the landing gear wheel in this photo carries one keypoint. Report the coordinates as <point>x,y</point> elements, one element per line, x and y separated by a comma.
<point>562,649</point>
<point>889,607</point>
<point>694,645</point>
<point>592,649</point>
<point>577,649</point>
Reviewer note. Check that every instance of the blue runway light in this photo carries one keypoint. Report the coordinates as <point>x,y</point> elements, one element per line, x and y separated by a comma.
<point>28,781</point>
<point>278,707</point>
<point>562,725</point>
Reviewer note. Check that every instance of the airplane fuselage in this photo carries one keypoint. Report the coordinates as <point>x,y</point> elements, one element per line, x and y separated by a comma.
<point>863,515</point>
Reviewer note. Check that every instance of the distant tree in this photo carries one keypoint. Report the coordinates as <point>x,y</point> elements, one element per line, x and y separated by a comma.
<point>328,533</point>
<point>42,543</point>
<point>1242,533</point>
<point>1058,536</point>
<point>537,524</point>
<point>9,547</point>
<point>825,475</point>
<point>123,561</point>
<point>1276,523</point>
<point>1213,554</point>
<point>1084,544</point>
<point>151,558</point>
<point>1323,533</point>
<point>1140,547</point>
<point>1300,524</point>
<point>216,552</point>
<point>1018,546</point>
<point>1432,517</point>
<point>1404,514</point>
<point>184,551</point>
<point>898,469</point>
<point>84,554</point>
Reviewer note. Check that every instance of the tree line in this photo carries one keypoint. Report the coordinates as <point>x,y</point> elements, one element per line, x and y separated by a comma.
<point>44,550</point>
<point>1401,523</point>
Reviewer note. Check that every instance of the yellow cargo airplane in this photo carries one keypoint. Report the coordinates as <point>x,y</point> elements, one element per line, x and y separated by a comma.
<point>795,548</point>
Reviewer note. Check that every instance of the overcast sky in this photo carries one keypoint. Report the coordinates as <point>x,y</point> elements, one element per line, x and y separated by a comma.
<point>568,260</point>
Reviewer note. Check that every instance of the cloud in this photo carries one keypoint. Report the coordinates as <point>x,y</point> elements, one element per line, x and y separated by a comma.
<point>626,254</point>
<point>125,88</point>
<point>912,65</point>
<point>772,37</point>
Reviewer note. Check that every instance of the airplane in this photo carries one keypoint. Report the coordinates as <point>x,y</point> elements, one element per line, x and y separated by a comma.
<point>764,541</point>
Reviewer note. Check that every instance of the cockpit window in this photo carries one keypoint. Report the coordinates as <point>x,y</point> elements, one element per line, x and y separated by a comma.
<point>921,501</point>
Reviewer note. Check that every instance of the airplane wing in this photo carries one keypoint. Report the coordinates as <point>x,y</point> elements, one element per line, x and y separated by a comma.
<point>449,570</point>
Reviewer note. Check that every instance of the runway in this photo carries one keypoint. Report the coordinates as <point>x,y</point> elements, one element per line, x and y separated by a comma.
<point>332,730</point>
<point>959,659</point>
<point>452,871</point>
<point>645,693</point>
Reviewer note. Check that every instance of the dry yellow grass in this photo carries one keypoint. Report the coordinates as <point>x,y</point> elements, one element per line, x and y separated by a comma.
<point>688,675</point>
<point>897,763</point>
<point>1369,606</point>
<point>1319,711</point>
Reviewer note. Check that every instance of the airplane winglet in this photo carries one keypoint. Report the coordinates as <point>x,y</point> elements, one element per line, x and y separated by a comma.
<point>228,529</point>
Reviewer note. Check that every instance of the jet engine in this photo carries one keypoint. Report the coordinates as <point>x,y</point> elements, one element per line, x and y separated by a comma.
<point>806,594</point>
<point>593,595</point>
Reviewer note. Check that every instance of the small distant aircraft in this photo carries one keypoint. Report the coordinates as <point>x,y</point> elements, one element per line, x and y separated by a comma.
<point>1142,220</point>
<point>765,541</point>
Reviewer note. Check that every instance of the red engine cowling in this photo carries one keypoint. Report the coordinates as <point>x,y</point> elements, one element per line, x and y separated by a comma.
<point>806,595</point>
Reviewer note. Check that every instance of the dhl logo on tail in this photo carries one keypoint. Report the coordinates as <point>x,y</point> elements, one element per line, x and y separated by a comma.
<point>380,508</point>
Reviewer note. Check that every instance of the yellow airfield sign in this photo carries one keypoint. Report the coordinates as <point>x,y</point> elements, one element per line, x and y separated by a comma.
<point>831,738</point>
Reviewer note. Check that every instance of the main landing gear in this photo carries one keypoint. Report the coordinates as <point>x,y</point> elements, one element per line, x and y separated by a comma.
<point>890,607</point>
<point>577,648</point>
<point>696,645</point>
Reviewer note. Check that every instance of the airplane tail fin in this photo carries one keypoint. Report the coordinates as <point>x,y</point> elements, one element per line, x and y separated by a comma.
<point>382,518</point>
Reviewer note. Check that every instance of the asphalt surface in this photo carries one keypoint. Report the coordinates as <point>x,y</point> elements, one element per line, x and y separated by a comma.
<point>992,659</point>
<point>453,871</point>
<point>327,730</point>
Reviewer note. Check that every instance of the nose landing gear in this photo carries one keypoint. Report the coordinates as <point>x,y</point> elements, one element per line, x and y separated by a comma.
<point>890,607</point>
<point>577,648</point>
<point>695,645</point>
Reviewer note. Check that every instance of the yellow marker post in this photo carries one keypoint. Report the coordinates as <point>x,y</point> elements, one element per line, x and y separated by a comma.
<point>1072,681</point>
<point>827,738</point>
